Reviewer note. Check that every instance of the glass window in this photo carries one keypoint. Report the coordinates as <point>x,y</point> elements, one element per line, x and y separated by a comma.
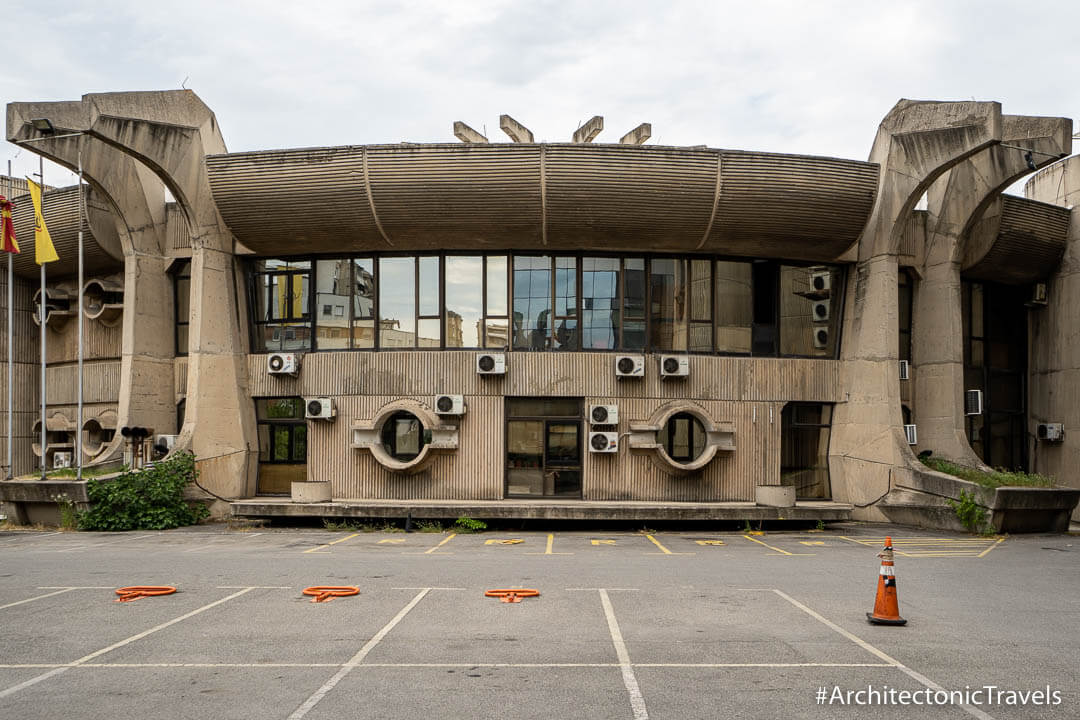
<point>496,322</point>
<point>904,305</point>
<point>532,302</point>
<point>429,322</point>
<point>464,300</point>
<point>804,449</point>
<point>599,303</point>
<point>543,407</point>
<point>333,293</point>
<point>734,306</point>
<point>682,437</point>
<point>565,331</point>
<point>403,436</point>
<point>633,304</point>
<point>667,304</point>
<point>363,303</point>
<point>701,305</point>
<point>282,296</point>
<point>809,310</point>
<point>397,302</point>
<point>182,295</point>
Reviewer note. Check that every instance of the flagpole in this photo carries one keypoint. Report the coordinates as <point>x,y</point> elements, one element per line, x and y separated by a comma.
<point>41,315</point>
<point>10,349</point>
<point>79,421</point>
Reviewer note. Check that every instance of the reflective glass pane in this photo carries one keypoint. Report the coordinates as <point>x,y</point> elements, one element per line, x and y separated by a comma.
<point>565,335</point>
<point>299,443</point>
<point>281,443</point>
<point>333,295</point>
<point>532,303</point>
<point>429,286</point>
<point>397,302</point>
<point>734,306</point>
<point>182,339</point>
<point>428,332</point>
<point>543,407</point>
<point>525,457</point>
<point>599,303</point>
<point>464,300</point>
<point>496,285</point>
<point>496,333</point>
<point>363,303</point>
<point>183,299</point>
<point>804,449</point>
<point>667,299</point>
<point>633,304</point>
<point>562,443</point>
<point>809,310</point>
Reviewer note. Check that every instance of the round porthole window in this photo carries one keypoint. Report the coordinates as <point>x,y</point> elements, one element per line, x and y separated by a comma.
<point>403,436</point>
<point>682,437</point>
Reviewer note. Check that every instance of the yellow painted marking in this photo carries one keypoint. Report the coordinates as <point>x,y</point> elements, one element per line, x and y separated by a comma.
<point>657,544</point>
<point>550,542</point>
<point>984,552</point>
<point>758,532</point>
<point>709,542</point>
<point>811,542</point>
<point>321,547</point>
<point>603,542</point>
<point>782,552</point>
<point>449,537</point>
<point>391,541</point>
<point>495,541</point>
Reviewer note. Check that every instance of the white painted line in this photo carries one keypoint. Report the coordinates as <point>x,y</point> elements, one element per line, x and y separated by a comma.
<point>319,694</point>
<point>76,548</point>
<point>971,709</point>
<point>254,587</point>
<point>427,588</point>
<point>612,589</point>
<point>271,665</point>
<point>637,701</point>
<point>78,587</point>
<point>449,537</point>
<point>39,597</point>
<point>87,658</point>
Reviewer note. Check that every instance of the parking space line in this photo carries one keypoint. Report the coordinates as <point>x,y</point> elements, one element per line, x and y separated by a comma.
<point>358,658</point>
<point>273,665</point>
<point>637,700</point>
<point>94,545</point>
<point>550,545</point>
<point>448,538</point>
<point>657,544</point>
<point>984,552</point>
<point>782,552</point>
<point>87,658</point>
<point>320,549</point>
<point>39,597</point>
<point>918,677</point>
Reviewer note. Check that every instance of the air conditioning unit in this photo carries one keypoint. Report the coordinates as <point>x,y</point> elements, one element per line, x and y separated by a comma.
<point>629,366</point>
<point>603,414</point>
<point>905,370</point>
<point>283,363</point>
<point>820,311</point>
<point>911,434</point>
<point>166,441</point>
<point>319,409</point>
<point>973,402</point>
<point>820,280</point>
<point>450,404</point>
<point>491,364</point>
<point>1039,295</point>
<point>61,460</point>
<point>603,442</point>
<point>674,366</point>
<point>821,338</point>
<point>1047,432</point>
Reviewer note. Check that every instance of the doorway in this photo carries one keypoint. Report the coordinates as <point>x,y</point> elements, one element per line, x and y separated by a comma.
<point>543,447</point>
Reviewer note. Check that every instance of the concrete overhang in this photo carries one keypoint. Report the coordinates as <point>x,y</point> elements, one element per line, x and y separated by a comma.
<point>1017,241</point>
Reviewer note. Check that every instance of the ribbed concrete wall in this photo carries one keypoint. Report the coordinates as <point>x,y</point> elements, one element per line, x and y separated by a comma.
<point>101,383</point>
<point>99,341</point>
<point>738,390</point>
<point>27,372</point>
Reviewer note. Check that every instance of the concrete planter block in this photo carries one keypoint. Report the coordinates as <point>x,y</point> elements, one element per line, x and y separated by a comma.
<point>775,495</point>
<point>310,492</point>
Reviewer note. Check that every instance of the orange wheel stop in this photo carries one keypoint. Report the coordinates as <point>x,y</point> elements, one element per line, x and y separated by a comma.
<point>512,596</point>
<point>134,592</point>
<point>325,593</point>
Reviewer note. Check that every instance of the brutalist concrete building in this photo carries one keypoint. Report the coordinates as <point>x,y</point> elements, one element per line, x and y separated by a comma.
<point>579,329</point>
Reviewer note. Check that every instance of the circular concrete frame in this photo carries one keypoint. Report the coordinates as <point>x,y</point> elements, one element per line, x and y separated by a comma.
<point>661,416</point>
<point>428,420</point>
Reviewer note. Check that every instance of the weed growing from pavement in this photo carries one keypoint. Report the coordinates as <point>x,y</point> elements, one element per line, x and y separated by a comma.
<point>989,479</point>
<point>428,527</point>
<point>469,525</point>
<point>970,513</point>
<point>149,499</point>
<point>69,514</point>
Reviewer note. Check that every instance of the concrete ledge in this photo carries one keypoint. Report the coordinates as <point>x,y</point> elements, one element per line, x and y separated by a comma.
<point>547,510</point>
<point>778,496</point>
<point>42,491</point>
<point>310,492</point>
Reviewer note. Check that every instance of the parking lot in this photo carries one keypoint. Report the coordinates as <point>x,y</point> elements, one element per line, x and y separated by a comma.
<point>627,625</point>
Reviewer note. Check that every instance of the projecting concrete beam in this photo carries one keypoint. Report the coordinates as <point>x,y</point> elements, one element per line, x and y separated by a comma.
<point>638,135</point>
<point>589,130</point>
<point>517,132</point>
<point>466,134</point>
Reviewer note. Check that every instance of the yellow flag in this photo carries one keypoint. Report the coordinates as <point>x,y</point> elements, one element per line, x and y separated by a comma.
<point>44,252</point>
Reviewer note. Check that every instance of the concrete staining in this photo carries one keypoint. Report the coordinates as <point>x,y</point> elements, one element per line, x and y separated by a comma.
<point>480,196</point>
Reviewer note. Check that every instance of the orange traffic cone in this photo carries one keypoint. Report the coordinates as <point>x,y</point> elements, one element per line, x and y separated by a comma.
<point>886,610</point>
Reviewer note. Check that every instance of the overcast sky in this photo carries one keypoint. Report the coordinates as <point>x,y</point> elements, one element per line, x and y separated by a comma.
<point>797,77</point>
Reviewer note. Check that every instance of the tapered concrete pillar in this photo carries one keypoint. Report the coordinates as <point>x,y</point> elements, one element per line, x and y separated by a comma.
<point>171,133</point>
<point>955,202</point>
<point>915,144</point>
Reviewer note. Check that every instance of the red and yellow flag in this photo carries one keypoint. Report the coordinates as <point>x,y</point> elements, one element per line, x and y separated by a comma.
<point>44,252</point>
<point>8,231</point>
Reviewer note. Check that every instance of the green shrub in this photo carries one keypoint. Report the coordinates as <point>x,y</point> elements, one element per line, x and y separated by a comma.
<point>970,513</point>
<point>150,499</point>
<point>469,525</point>
<point>990,480</point>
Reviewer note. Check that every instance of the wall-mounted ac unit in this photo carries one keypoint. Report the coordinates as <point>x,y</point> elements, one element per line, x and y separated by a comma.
<point>603,414</point>
<point>973,402</point>
<point>166,441</point>
<point>674,366</point>
<point>820,280</point>
<point>905,370</point>
<point>319,409</point>
<point>629,366</point>
<point>820,311</point>
<point>61,460</point>
<point>1050,432</point>
<point>603,442</point>
<point>911,434</point>
<point>1039,295</point>
<point>450,404</point>
<point>821,338</point>
<point>491,364</point>
<point>283,363</point>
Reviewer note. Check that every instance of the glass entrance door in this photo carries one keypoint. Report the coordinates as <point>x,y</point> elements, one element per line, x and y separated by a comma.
<point>543,447</point>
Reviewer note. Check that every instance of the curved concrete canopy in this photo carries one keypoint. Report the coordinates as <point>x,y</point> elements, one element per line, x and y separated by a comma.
<point>558,196</point>
<point>1017,241</point>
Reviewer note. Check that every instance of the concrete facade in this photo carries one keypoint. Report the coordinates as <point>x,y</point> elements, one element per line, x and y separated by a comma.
<point>742,237</point>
